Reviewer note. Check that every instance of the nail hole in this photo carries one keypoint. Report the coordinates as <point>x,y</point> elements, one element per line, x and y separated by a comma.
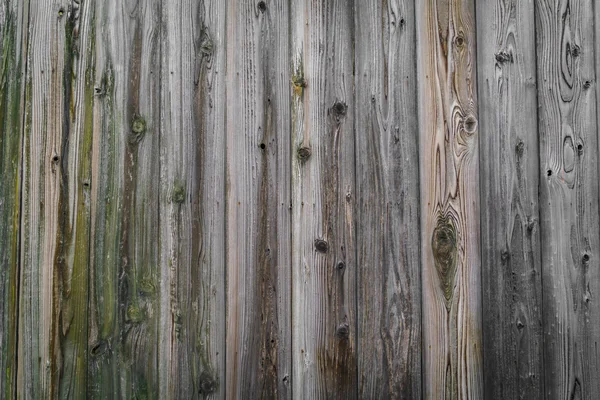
<point>262,146</point>
<point>55,159</point>
<point>61,12</point>
<point>549,172</point>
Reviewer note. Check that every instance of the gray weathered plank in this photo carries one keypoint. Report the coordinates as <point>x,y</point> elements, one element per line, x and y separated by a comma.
<point>192,200</point>
<point>449,165</point>
<point>510,243</point>
<point>568,141</point>
<point>13,44</point>
<point>52,352</point>
<point>258,200</point>
<point>123,269</point>
<point>323,197</point>
<point>387,202</point>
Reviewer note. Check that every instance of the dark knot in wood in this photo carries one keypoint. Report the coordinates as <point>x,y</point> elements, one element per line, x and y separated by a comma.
<point>321,245</point>
<point>443,244</point>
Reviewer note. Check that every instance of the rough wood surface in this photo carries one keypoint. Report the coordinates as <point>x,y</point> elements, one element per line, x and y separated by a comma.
<point>510,242</point>
<point>13,45</point>
<point>323,186</point>
<point>258,201</point>
<point>387,202</point>
<point>192,201</point>
<point>449,165</point>
<point>568,140</point>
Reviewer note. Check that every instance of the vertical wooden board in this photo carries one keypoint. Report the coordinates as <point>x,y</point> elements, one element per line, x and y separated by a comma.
<point>192,200</point>
<point>13,40</point>
<point>258,200</point>
<point>569,197</point>
<point>52,351</point>
<point>510,244</point>
<point>387,196</point>
<point>449,165</point>
<point>123,316</point>
<point>323,196</point>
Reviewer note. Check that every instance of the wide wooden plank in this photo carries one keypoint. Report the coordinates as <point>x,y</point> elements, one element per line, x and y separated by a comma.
<point>123,302</point>
<point>191,354</point>
<point>510,242</point>
<point>387,202</point>
<point>13,44</point>
<point>449,166</point>
<point>569,197</point>
<point>323,197</point>
<point>258,200</point>
<point>52,350</point>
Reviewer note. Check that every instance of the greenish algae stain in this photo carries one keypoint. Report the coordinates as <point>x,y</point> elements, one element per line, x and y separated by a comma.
<point>10,160</point>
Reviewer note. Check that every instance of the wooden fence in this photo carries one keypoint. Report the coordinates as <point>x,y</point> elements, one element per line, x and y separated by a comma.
<point>313,199</point>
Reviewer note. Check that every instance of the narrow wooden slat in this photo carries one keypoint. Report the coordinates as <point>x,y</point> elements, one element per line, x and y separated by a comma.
<point>191,353</point>
<point>124,257</point>
<point>52,352</point>
<point>258,200</point>
<point>323,197</point>
<point>13,44</point>
<point>511,259</point>
<point>568,140</point>
<point>387,231</point>
<point>449,165</point>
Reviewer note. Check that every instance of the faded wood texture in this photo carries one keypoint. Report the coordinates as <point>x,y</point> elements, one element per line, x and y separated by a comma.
<point>258,201</point>
<point>387,202</point>
<point>510,233</point>
<point>568,140</point>
<point>306,199</point>
<point>323,200</point>
<point>449,161</point>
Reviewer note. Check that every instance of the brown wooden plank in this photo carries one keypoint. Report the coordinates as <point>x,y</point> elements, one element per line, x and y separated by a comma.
<point>449,165</point>
<point>123,304</point>
<point>192,201</point>
<point>52,352</point>
<point>510,242</point>
<point>568,197</point>
<point>323,193</point>
<point>13,45</point>
<point>387,211</point>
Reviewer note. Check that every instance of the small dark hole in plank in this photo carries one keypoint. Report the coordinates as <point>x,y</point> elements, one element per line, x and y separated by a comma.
<point>262,146</point>
<point>549,172</point>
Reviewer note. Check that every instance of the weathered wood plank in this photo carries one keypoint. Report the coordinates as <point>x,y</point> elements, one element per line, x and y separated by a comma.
<point>323,193</point>
<point>192,200</point>
<point>52,352</point>
<point>569,197</point>
<point>124,256</point>
<point>387,196</point>
<point>511,259</point>
<point>13,44</point>
<point>449,165</point>
<point>258,200</point>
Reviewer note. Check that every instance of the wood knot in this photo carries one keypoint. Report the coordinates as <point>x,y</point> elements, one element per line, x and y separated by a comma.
<point>505,256</point>
<point>585,259</point>
<point>504,57</point>
<point>549,172</point>
<point>61,12</point>
<point>206,383</point>
<point>341,266</point>
<point>338,110</point>
<point>470,125</point>
<point>178,195</point>
<point>443,244</point>
<point>520,148</point>
<point>343,331</point>
<point>580,149</point>
<point>520,325</point>
<point>135,314</point>
<point>304,153</point>
<point>262,6</point>
<point>286,379</point>
<point>262,146</point>
<point>575,51</point>
<point>138,129</point>
<point>459,41</point>
<point>99,348</point>
<point>587,84</point>
<point>321,245</point>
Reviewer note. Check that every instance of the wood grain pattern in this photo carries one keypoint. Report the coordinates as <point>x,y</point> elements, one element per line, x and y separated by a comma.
<point>123,269</point>
<point>449,165</point>
<point>13,43</point>
<point>387,197</point>
<point>258,201</point>
<point>56,209</point>
<point>510,242</point>
<point>568,197</point>
<point>192,201</point>
<point>323,197</point>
